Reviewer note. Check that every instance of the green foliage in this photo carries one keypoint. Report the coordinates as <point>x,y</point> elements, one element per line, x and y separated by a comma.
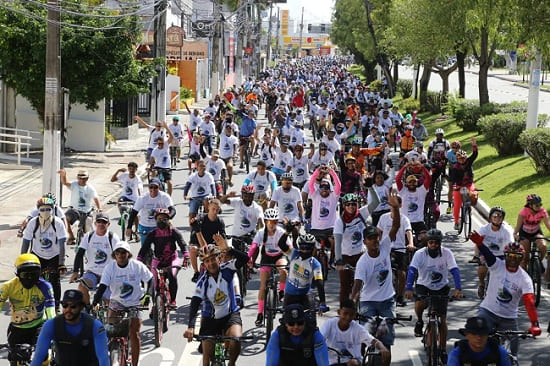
<point>376,84</point>
<point>409,105</point>
<point>95,64</point>
<point>536,142</point>
<point>405,87</point>
<point>185,93</point>
<point>502,130</point>
<point>499,61</point>
<point>512,107</point>
<point>434,101</point>
<point>467,112</point>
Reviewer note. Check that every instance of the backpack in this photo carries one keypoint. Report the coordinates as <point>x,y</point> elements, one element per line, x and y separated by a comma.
<point>91,233</point>
<point>37,224</point>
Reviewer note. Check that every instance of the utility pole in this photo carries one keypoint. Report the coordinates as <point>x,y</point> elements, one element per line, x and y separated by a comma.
<point>215,80</point>
<point>159,50</point>
<point>534,90</point>
<point>277,54</point>
<point>301,32</point>
<point>51,156</point>
<point>268,53</point>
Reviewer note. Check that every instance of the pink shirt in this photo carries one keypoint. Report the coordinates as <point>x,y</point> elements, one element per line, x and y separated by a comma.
<point>531,221</point>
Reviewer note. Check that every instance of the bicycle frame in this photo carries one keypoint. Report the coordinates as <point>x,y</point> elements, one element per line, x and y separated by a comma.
<point>19,354</point>
<point>432,333</point>
<point>219,348</point>
<point>125,207</point>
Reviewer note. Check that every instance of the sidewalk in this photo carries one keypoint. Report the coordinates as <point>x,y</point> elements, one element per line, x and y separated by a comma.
<point>504,75</point>
<point>20,189</point>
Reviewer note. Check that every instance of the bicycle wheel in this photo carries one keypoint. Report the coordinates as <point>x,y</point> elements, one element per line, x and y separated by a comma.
<point>123,219</point>
<point>116,354</point>
<point>535,272</point>
<point>461,221</point>
<point>438,187</point>
<point>269,312</point>
<point>433,350</point>
<point>370,359</point>
<point>158,318</point>
<point>247,157</point>
<point>467,229</point>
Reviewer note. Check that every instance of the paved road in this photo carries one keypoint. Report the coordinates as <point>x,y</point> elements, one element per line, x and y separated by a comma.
<point>500,91</point>
<point>175,351</point>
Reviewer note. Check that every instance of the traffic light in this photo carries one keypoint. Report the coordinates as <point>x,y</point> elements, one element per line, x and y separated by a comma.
<point>309,28</point>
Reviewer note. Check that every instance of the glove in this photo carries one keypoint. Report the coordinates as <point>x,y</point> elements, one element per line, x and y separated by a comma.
<point>145,300</point>
<point>324,308</point>
<point>535,329</point>
<point>288,227</point>
<point>476,238</point>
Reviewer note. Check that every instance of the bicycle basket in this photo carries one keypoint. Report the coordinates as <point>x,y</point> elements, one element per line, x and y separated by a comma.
<point>121,329</point>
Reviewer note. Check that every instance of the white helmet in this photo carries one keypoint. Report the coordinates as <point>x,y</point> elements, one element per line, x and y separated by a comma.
<point>439,131</point>
<point>271,214</point>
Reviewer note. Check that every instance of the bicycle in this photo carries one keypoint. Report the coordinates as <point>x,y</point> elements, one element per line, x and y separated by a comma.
<point>125,207</point>
<point>247,155</point>
<point>534,268</point>
<point>345,354</point>
<point>220,355</point>
<point>19,354</point>
<point>174,156</point>
<point>465,223</point>
<point>161,304</point>
<point>504,338</point>
<point>272,306</point>
<point>242,243</point>
<point>82,225</point>
<point>322,253</point>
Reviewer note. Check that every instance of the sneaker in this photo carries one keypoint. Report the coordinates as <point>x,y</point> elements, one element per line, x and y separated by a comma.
<point>418,328</point>
<point>173,304</point>
<point>443,356</point>
<point>481,291</point>
<point>259,320</point>
<point>457,226</point>
<point>241,166</point>
<point>199,348</point>
<point>195,277</point>
<point>400,301</point>
<point>281,295</point>
<point>449,210</point>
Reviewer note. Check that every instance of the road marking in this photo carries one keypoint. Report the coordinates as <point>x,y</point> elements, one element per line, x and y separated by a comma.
<point>415,358</point>
<point>190,355</point>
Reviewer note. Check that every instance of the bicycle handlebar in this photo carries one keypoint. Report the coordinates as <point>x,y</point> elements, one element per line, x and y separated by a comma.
<point>222,338</point>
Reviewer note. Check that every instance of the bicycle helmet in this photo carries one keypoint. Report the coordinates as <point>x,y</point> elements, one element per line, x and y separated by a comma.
<point>350,158</point>
<point>497,209</point>
<point>27,262</point>
<point>418,144</point>
<point>533,199</point>
<point>162,211</point>
<point>356,141</point>
<point>439,131</point>
<point>461,154</point>
<point>306,242</point>
<point>45,201</point>
<point>456,145</point>
<point>514,247</point>
<point>288,176</point>
<point>208,250</point>
<point>349,197</point>
<point>250,189</point>
<point>434,234</point>
<point>271,214</point>
<point>51,196</point>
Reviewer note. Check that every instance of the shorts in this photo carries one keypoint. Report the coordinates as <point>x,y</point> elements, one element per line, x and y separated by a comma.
<point>195,157</point>
<point>523,235</point>
<point>401,259</point>
<point>228,160</point>
<point>212,326</point>
<point>266,259</point>
<point>133,311</point>
<point>166,173</point>
<point>384,309</point>
<point>439,305</point>
<point>194,204</point>
<point>18,335</point>
<point>243,140</point>
<point>90,280</point>
<point>74,215</point>
<point>418,227</point>
<point>143,231</point>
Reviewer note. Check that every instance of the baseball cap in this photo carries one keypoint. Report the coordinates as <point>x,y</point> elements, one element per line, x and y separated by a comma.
<point>82,173</point>
<point>155,182</point>
<point>73,296</point>
<point>102,216</point>
<point>475,325</point>
<point>175,118</point>
<point>370,231</point>
<point>411,178</point>
<point>216,152</point>
<point>293,313</point>
<point>122,245</point>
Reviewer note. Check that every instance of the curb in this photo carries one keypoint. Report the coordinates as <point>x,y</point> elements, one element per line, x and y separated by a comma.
<point>483,208</point>
<point>527,87</point>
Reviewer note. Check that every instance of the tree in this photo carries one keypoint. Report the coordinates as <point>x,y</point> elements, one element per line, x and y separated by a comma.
<point>95,63</point>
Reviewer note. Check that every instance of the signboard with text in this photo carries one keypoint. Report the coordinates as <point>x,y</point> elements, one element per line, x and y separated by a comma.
<point>203,28</point>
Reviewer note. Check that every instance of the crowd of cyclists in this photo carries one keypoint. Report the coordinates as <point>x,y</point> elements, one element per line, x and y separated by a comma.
<point>354,205</point>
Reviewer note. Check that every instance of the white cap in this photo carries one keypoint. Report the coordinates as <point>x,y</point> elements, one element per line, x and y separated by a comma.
<point>122,245</point>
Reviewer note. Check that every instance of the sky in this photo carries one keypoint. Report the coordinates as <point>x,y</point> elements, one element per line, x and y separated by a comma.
<point>315,11</point>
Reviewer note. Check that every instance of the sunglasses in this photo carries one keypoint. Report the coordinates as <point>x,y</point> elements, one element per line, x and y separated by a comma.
<point>537,204</point>
<point>298,323</point>
<point>29,275</point>
<point>496,215</point>
<point>72,306</point>
<point>324,188</point>
<point>514,255</point>
<point>45,209</point>
<point>350,204</point>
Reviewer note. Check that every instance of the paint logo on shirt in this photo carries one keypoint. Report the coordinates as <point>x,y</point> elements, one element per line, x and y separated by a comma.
<point>436,277</point>
<point>503,295</point>
<point>245,223</point>
<point>356,237</point>
<point>382,276</point>
<point>100,257</point>
<point>299,172</point>
<point>46,243</point>
<point>201,190</point>
<point>219,298</point>
<point>288,207</point>
<point>126,290</point>
<point>324,212</point>
<point>412,207</point>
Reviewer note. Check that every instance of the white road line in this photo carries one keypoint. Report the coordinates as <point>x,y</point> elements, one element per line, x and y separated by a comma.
<point>190,355</point>
<point>415,358</point>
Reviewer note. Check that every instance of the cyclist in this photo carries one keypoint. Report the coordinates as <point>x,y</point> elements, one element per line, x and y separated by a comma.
<point>344,333</point>
<point>300,169</point>
<point>381,183</point>
<point>177,131</point>
<point>350,178</point>
<point>160,160</point>
<point>264,183</point>
<point>289,201</point>
<point>451,160</point>
<point>156,131</point>
<point>477,348</point>
<point>461,174</point>
<point>419,130</point>
<point>220,311</point>
<point>507,284</point>
<point>45,236</point>
<point>497,234</point>
<point>79,338</point>
<point>216,167</point>
<point>82,195</point>
<point>283,157</point>
<point>145,206</point>
<point>164,239</point>
<point>97,246</point>
<point>268,240</point>
<point>321,157</point>
<point>228,149</point>
<point>30,298</point>
<point>196,151</point>
<point>295,342</point>
<point>123,277</point>
<point>528,226</point>
<point>200,186</point>
<point>208,132</point>
<point>431,264</point>
<point>57,211</point>
<point>248,132</point>
<point>131,183</point>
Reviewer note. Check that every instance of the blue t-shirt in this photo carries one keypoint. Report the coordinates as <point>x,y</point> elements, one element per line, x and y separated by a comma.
<point>247,127</point>
<point>454,356</point>
<point>273,351</point>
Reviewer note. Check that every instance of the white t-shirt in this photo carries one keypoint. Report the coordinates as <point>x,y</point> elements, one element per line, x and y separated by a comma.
<point>297,137</point>
<point>215,168</point>
<point>352,235</point>
<point>332,145</point>
<point>324,209</point>
<point>82,197</point>
<point>287,202</point>
<point>350,339</point>
<point>44,243</point>
<point>154,135</point>
<point>376,276</point>
<point>282,159</point>
<point>146,206</point>
<point>318,159</point>
<point>207,129</point>
<point>98,251</point>
<point>125,283</point>
<point>300,169</point>
<point>433,272</point>
<point>497,240</point>
<point>246,217</point>
<point>130,186</point>
<point>200,186</point>
<point>177,131</point>
<point>413,203</point>
<point>271,245</point>
<point>505,290</point>
<point>162,157</point>
<point>227,145</point>
<point>194,121</point>
<point>385,224</point>
<point>262,183</point>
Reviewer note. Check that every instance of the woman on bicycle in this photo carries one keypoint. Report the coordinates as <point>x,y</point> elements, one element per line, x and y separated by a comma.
<point>461,175</point>
<point>267,239</point>
<point>164,239</point>
<point>528,228</point>
<point>451,160</point>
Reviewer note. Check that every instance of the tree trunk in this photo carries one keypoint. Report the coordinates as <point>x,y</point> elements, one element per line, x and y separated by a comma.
<point>370,70</point>
<point>395,72</point>
<point>460,57</point>
<point>424,81</point>
<point>444,73</point>
<point>484,63</point>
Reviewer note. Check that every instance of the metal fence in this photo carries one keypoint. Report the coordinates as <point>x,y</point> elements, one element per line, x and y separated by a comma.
<point>120,113</point>
<point>144,105</point>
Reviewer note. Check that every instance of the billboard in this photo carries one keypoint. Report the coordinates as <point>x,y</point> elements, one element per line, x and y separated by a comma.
<point>284,22</point>
<point>203,28</point>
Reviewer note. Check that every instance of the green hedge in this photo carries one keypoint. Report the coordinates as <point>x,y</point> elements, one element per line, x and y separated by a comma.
<point>408,105</point>
<point>434,102</point>
<point>185,93</point>
<point>376,84</point>
<point>405,86</point>
<point>536,142</point>
<point>502,131</point>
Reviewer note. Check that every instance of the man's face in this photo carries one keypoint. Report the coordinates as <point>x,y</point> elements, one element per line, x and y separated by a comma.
<point>160,143</point>
<point>261,169</point>
<point>496,218</point>
<point>298,152</point>
<point>513,260</point>
<point>153,190</point>
<point>82,180</point>
<point>286,184</point>
<point>346,316</point>
<point>71,311</point>
<point>212,264</point>
<point>213,208</point>
<point>477,342</point>
<point>433,244</point>
<point>372,243</point>
<point>201,168</point>
<point>121,257</point>
<point>295,328</point>
<point>102,226</point>
<point>132,169</point>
